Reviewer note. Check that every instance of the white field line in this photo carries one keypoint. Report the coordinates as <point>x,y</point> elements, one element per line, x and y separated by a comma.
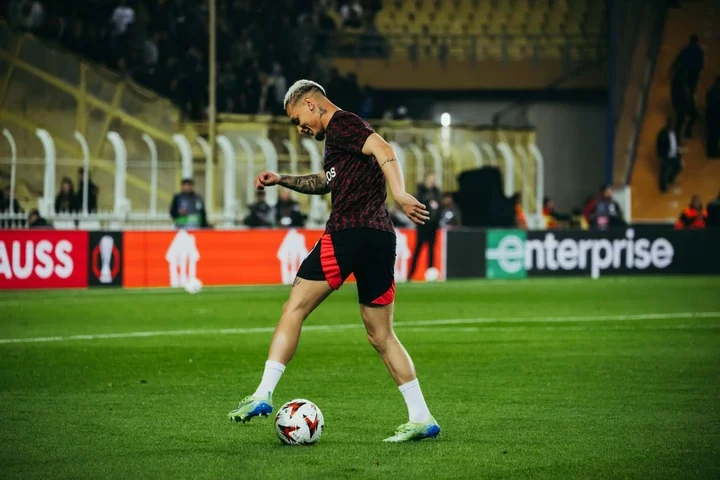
<point>358,325</point>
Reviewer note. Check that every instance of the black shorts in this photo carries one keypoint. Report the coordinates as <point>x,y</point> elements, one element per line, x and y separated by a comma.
<point>365,252</point>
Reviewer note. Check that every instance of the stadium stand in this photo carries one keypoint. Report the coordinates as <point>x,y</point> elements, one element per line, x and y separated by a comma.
<point>700,175</point>
<point>531,43</point>
<point>481,29</point>
<point>479,44</point>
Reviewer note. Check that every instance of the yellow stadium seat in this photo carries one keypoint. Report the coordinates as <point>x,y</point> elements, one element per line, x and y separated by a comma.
<point>473,28</point>
<point>573,28</point>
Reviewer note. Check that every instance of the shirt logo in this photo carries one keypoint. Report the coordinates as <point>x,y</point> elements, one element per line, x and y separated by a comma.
<point>330,174</point>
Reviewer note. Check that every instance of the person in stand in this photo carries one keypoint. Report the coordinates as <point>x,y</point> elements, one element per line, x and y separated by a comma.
<point>429,195</point>
<point>588,209</point>
<point>683,102</point>
<point>607,211</point>
<point>36,221</point>
<point>713,213</point>
<point>260,212</point>
<point>92,192</point>
<point>691,61</point>
<point>450,212</point>
<point>287,211</point>
<point>187,208</point>
<point>669,153</point>
<point>520,218</point>
<point>693,217</point>
<point>712,118</point>
<point>66,200</point>
<point>551,216</point>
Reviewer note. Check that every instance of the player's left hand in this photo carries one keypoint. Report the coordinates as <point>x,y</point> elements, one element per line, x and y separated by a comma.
<point>411,207</point>
<point>266,179</point>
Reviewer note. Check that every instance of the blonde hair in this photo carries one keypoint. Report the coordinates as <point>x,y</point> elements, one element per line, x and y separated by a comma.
<point>299,89</point>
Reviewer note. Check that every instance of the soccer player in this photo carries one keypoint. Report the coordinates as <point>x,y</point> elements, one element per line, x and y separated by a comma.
<point>359,238</point>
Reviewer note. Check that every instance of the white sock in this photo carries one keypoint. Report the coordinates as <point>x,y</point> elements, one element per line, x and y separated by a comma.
<point>271,377</point>
<point>417,408</point>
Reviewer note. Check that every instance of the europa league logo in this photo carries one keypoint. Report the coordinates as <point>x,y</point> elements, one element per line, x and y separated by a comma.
<point>106,251</point>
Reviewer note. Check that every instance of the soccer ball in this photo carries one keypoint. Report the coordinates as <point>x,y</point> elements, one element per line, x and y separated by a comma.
<point>193,286</point>
<point>299,422</point>
<point>432,274</point>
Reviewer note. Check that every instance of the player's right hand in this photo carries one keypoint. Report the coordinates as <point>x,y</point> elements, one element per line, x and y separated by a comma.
<point>266,179</point>
<point>414,210</point>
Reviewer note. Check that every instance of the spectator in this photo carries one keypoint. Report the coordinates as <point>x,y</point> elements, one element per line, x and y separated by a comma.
<point>520,219</point>
<point>187,209</point>
<point>578,220</point>
<point>713,213</point>
<point>279,83</point>
<point>36,221</point>
<point>352,14</point>
<point>607,212</point>
<point>260,212</point>
<point>367,108</point>
<point>450,212</point>
<point>66,200</point>
<point>588,209</point>
<point>712,117</point>
<point>287,211</point>
<point>551,217</point>
<point>683,103</point>
<point>122,16</point>
<point>429,195</point>
<point>691,60</point>
<point>693,217</point>
<point>5,202</point>
<point>31,14</point>
<point>151,50</point>
<point>92,192</point>
<point>669,153</point>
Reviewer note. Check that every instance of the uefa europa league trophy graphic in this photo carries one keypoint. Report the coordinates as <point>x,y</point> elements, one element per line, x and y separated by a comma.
<point>106,250</point>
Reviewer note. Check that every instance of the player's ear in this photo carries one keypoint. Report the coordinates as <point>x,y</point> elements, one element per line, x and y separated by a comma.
<point>309,104</point>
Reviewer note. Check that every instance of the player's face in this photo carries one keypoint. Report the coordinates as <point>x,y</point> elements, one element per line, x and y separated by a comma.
<point>306,117</point>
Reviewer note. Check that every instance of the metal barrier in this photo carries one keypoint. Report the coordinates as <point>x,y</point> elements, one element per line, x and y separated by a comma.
<point>520,161</point>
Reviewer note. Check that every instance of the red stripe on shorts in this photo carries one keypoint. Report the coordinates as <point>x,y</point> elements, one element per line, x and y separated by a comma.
<point>386,298</point>
<point>329,263</point>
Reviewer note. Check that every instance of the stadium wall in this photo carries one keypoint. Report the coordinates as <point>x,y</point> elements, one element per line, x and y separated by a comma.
<point>36,259</point>
<point>31,259</point>
<point>571,136</point>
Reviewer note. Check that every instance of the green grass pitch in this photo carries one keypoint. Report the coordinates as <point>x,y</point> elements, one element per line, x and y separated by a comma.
<point>572,378</point>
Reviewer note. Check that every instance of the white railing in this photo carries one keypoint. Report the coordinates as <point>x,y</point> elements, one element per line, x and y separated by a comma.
<point>121,215</point>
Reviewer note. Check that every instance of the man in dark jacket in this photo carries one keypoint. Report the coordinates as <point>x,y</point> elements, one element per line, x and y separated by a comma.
<point>668,150</point>
<point>287,211</point>
<point>92,192</point>
<point>36,221</point>
<point>712,117</point>
<point>607,211</point>
<point>683,102</point>
<point>691,59</point>
<point>260,212</point>
<point>429,195</point>
<point>713,213</point>
<point>188,209</point>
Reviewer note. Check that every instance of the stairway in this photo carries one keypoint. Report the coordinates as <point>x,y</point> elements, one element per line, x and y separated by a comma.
<point>700,175</point>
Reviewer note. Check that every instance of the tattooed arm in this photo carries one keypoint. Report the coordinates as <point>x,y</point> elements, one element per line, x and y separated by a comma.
<point>314,184</point>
